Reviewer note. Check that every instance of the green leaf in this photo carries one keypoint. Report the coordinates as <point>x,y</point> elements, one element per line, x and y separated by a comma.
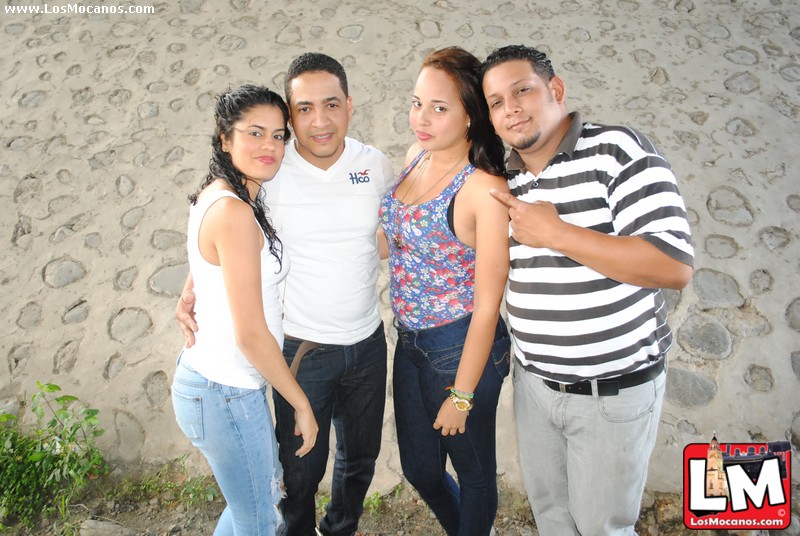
<point>48,387</point>
<point>36,456</point>
<point>65,399</point>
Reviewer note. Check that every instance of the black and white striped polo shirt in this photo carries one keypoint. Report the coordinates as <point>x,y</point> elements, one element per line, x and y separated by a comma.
<point>570,322</point>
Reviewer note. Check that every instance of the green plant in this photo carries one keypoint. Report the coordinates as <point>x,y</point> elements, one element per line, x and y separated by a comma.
<point>171,482</point>
<point>376,502</point>
<point>322,501</point>
<point>373,503</point>
<point>65,525</point>
<point>50,464</point>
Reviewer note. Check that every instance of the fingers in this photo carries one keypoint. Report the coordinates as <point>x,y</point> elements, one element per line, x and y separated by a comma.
<point>449,430</point>
<point>308,444</point>
<point>184,314</point>
<point>187,326</point>
<point>188,339</point>
<point>188,334</point>
<point>508,200</point>
<point>452,431</point>
<point>306,426</point>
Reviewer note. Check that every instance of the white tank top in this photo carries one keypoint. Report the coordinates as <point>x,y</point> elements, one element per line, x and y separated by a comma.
<point>215,354</point>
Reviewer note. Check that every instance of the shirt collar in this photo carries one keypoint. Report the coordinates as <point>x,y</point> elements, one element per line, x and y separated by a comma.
<point>515,164</point>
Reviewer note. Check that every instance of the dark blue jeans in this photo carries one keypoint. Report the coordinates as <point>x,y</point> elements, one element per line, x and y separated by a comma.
<point>425,364</point>
<point>346,385</point>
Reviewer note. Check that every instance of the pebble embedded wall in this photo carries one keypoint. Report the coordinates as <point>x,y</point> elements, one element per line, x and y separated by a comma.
<point>106,124</point>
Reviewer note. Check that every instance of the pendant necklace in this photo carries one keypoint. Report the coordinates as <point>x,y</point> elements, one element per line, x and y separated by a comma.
<point>397,239</point>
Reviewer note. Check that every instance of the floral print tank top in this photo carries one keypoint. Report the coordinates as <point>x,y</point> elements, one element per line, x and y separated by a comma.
<point>432,273</point>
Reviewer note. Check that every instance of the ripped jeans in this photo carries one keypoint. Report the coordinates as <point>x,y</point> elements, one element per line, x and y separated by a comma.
<point>233,429</point>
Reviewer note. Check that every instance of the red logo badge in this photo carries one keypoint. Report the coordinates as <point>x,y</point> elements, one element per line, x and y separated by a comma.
<point>737,485</point>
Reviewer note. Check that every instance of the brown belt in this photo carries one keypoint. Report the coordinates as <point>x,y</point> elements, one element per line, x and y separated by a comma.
<point>302,350</point>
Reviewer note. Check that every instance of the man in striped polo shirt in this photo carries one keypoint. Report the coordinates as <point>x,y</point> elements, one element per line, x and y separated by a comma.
<point>598,227</point>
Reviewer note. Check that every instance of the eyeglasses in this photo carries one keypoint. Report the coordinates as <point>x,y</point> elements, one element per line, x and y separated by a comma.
<point>257,133</point>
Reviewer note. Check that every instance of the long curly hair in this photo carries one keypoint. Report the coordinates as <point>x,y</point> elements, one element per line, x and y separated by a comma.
<point>230,107</point>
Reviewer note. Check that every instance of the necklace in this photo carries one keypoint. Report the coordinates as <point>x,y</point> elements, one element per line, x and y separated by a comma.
<point>397,239</point>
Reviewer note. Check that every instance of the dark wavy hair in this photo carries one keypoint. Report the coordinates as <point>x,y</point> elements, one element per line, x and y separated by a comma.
<point>312,62</point>
<point>230,107</point>
<point>539,62</point>
<point>487,152</point>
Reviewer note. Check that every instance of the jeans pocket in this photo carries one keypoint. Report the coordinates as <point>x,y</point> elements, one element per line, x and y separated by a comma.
<point>630,404</point>
<point>446,359</point>
<point>501,356</point>
<point>189,414</point>
<point>243,393</point>
<point>248,408</point>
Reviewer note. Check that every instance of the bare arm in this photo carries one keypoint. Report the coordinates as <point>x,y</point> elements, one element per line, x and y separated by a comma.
<point>383,243</point>
<point>490,241</point>
<point>237,240</point>
<point>628,259</point>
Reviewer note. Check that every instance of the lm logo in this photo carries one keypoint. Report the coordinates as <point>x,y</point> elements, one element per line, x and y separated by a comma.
<point>745,485</point>
<point>359,177</point>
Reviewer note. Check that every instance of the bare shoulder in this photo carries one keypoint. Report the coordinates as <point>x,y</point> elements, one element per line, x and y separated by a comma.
<point>411,153</point>
<point>229,209</point>
<point>482,182</point>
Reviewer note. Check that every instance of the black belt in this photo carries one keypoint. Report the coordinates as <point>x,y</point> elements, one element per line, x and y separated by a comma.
<point>610,386</point>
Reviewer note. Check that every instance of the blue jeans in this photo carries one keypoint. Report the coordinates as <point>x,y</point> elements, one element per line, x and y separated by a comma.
<point>232,427</point>
<point>346,385</point>
<point>425,364</point>
<point>584,458</point>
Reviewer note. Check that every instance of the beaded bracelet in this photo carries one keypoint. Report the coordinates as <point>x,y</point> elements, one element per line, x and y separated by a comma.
<point>459,394</point>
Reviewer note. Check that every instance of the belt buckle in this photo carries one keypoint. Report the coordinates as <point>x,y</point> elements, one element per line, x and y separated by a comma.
<point>562,387</point>
<point>612,386</point>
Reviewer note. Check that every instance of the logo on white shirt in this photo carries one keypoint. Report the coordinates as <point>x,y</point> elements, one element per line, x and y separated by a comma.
<point>359,177</point>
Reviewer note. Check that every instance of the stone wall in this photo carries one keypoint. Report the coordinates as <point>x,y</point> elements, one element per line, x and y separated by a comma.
<point>105,131</point>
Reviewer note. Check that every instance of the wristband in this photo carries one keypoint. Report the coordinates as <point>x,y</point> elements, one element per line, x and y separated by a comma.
<point>459,394</point>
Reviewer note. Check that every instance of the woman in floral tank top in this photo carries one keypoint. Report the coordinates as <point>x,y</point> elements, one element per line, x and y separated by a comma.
<point>447,243</point>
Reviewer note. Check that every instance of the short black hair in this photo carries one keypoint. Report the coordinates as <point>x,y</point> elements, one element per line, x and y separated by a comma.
<point>539,61</point>
<point>314,62</point>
